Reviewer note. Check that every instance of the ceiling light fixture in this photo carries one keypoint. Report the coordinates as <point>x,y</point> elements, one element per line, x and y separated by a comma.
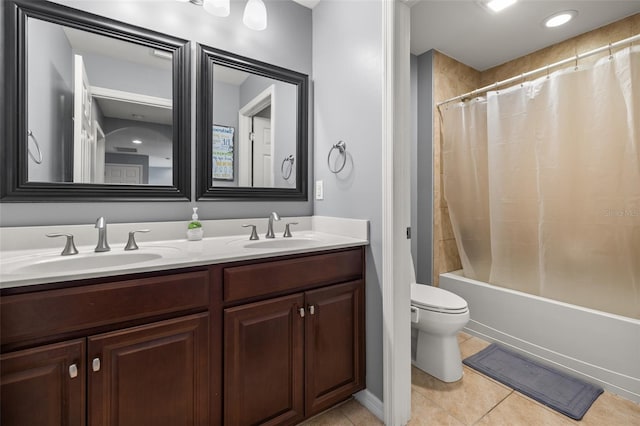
<point>560,18</point>
<point>136,141</point>
<point>499,5</point>
<point>255,12</point>
<point>255,15</point>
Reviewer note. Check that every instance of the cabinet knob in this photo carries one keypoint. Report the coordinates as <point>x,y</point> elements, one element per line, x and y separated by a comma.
<point>312,309</point>
<point>95,364</point>
<point>73,371</point>
<point>301,311</point>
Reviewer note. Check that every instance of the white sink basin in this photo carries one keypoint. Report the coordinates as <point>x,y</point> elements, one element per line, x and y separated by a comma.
<point>282,243</point>
<point>81,262</point>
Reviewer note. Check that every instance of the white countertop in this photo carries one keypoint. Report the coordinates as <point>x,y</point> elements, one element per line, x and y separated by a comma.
<point>170,253</point>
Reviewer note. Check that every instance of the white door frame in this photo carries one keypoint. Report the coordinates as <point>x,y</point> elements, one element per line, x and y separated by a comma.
<point>82,120</point>
<point>396,290</point>
<point>99,158</point>
<point>254,106</point>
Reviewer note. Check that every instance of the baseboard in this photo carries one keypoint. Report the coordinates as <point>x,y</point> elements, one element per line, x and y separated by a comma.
<point>371,403</point>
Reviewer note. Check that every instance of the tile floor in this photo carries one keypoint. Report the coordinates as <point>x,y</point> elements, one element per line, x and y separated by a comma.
<point>479,400</point>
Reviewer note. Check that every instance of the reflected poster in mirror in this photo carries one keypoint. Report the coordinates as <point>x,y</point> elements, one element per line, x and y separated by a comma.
<point>266,107</point>
<point>222,151</point>
<point>97,109</point>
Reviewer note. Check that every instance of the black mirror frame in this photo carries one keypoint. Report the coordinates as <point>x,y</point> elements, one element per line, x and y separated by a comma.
<point>13,110</point>
<point>206,58</point>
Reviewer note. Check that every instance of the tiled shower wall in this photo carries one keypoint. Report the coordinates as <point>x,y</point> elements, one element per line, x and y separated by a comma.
<point>452,78</point>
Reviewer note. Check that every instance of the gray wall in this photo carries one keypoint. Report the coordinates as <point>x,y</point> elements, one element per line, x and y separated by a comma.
<point>347,72</point>
<point>286,43</point>
<point>50,82</point>
<point>424,167</point>
<point>414,156</point>
<point>226,103</point>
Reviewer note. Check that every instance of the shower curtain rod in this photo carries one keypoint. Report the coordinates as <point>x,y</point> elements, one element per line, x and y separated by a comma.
<point>521,77</point>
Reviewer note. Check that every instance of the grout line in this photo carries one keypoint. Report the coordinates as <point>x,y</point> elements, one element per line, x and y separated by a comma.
<point>495,406</point>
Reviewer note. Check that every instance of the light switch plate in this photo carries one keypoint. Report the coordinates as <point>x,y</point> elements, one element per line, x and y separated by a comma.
<point>319,190</point>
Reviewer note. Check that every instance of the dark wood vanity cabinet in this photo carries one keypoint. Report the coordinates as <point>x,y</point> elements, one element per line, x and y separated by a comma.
<point>137,356</point>
<point>289,357</point>
<point>156,374</point>
<point>254,342</point>
<point>44,385</point>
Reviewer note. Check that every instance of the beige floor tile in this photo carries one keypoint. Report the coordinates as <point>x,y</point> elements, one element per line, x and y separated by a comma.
<point>467,399</point>
<point>329,418</point>
<point>358,414</point>
<point>462,336</point>
<point>472,346</point>
<point>426,413</point>
<point>519,410</point>
<point>610,409</point>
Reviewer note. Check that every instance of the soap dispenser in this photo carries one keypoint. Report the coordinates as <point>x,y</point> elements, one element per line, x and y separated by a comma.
<point>195,231</point>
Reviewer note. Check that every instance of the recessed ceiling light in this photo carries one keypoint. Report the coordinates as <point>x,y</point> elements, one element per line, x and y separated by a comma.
<point>136,141</point>
<point>498,5</point>
<point>560,18</point>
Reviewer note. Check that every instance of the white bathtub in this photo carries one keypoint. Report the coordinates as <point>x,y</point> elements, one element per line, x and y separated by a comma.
<point>599,347</point>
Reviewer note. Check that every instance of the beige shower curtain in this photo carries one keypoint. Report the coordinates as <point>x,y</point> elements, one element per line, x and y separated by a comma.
<point>544,188</point>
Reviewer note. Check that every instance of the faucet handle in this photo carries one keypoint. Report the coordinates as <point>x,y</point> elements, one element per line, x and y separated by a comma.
<point>69,247</point>
<point>287,232</point>
<point>131,243</point>
<point>254,233</point>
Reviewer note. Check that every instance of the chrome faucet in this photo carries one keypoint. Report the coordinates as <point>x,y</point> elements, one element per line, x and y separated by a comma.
<point>273,216</point>
<point>103,245</point>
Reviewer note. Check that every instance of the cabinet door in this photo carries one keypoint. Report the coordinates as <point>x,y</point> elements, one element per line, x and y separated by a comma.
<point>157,374</point>
<point>44,386</point>
<point>334,342</point>
<point>263,377</point>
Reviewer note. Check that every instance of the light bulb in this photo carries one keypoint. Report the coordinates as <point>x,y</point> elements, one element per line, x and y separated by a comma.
<point>255,15</point>
<point>217,7</point>
<point>560,18</point>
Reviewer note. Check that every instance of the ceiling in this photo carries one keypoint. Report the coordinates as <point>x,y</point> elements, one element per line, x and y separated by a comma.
<point>471,34</point>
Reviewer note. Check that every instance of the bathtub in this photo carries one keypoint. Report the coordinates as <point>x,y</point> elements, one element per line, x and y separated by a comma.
<point>596,346</point>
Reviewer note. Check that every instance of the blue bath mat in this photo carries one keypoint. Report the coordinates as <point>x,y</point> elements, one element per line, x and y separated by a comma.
<point>565,394</point>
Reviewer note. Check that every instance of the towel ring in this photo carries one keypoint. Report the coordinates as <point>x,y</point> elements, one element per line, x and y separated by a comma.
<point>35,141</point>
<point>289,160</point>
<point>342,150</point>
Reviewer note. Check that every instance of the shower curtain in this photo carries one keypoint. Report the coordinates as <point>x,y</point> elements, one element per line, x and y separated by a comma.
<point>542,181</point>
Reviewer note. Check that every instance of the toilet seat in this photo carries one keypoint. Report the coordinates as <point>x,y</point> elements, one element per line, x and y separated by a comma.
<point>435,299</point>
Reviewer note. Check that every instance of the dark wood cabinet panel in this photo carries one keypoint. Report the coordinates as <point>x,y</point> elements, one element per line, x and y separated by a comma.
<point>235,344</point>
<point>334,345</point>
<point>250,281</point>
<point>37,388</point>
<point>263,352</point>
<point>32,316</point>
<point>157,374</point>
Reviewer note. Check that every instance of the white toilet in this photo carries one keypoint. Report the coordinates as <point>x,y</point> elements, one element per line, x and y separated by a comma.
<point>437,315</point>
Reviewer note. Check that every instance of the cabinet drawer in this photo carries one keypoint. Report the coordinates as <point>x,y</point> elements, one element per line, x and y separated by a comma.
<point>244,282</point>
<point>32,316</point>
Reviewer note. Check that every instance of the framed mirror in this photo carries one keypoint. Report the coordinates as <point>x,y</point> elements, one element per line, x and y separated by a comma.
<point>95,109</point>
<point>251,129</point>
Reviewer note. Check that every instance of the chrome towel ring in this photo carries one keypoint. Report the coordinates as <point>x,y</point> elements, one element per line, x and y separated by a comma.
<point>286,175</point>
<point>342,150</point>
<point>35,141</point>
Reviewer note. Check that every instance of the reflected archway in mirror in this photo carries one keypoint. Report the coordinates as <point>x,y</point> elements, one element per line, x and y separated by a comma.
<point>252,117</point>
<point>74,81</point>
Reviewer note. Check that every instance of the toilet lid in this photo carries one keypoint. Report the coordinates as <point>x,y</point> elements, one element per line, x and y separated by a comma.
<point>436,299</point>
